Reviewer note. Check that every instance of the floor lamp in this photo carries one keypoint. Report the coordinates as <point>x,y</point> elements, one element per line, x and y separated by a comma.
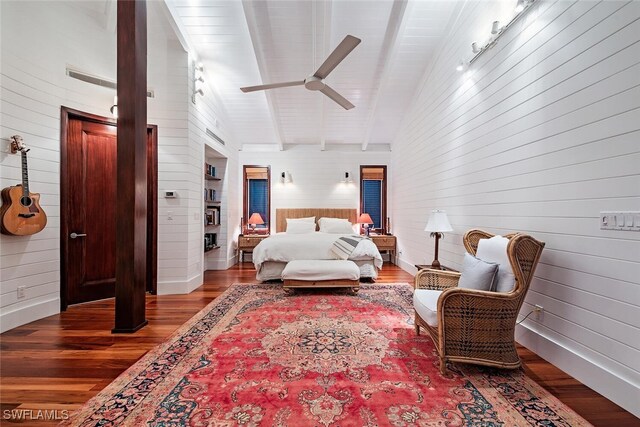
<point>438,223</point>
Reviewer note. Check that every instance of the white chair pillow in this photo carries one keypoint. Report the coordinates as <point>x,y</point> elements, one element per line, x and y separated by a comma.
<point>477,274</point>
<point>335,226</point>
<point>300,227</point>
<point>495,250</point>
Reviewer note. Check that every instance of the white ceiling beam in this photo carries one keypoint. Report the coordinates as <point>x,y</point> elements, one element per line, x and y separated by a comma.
<point>111,12</point>
<point>324,20</point>
<point>250,15</point>
<point>170,11</point>
<point>397,22</point>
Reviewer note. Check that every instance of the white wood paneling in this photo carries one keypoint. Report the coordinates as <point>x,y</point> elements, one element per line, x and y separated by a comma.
<point>538,136</point>
<point>315,174</point>
<point>33,87</point>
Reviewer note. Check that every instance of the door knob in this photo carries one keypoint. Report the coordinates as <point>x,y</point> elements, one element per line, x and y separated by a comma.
<point>76,235</point>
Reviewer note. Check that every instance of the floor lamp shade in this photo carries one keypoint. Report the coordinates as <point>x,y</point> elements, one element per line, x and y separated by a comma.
<point>437,224</point>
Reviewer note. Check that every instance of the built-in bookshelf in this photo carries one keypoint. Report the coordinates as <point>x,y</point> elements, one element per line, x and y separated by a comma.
<point>212,207</point>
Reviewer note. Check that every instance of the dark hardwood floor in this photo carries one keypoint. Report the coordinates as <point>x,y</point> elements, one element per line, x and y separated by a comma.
<point>62,361</point>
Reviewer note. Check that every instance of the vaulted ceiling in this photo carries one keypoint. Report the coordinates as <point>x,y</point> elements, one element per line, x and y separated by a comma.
<point>244,43</point>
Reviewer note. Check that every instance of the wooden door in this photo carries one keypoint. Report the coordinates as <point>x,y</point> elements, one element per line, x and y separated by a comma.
<point>88,204</point>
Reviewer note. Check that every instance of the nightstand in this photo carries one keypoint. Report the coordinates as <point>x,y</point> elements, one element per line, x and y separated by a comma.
<point>386,242</point>
<point>246,243</point>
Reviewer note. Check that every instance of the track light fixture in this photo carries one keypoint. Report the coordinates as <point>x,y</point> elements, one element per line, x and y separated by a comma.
<point>497,30</point>
<point>198,79</point>
<point>495,27</point>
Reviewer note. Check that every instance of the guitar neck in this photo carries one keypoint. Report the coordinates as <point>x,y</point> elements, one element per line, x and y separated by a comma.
<point>25,174</point>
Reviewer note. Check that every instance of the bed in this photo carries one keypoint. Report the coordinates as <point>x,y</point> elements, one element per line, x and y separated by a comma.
<point>272,254</point>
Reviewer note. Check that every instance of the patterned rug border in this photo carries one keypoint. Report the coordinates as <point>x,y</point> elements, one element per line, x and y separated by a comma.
<point>83,414</point>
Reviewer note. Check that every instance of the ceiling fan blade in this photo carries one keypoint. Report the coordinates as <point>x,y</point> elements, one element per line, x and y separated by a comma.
<point>339,53</point>
<point>271,86</point>
<point>335,96</point>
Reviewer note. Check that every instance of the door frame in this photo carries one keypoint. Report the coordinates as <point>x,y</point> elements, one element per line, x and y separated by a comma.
<point>67,114</point>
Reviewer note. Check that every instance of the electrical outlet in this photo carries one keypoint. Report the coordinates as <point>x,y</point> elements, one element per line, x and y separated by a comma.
<point>22,292</point>
<point>538,311</point>
<point>170,215</point>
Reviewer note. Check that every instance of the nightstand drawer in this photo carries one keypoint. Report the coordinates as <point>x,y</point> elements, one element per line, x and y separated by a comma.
<point>246,243</point>
<point>384,242</point>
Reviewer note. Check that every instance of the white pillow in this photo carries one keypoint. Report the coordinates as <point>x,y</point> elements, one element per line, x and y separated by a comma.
<point>300,227</point>
<point>495,250</point>
<point>477,274</point>
<point>335,226</point>
<point>308,219</point>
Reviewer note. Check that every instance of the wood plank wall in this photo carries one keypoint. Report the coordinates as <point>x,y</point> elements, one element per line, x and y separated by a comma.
<point>539,135</point>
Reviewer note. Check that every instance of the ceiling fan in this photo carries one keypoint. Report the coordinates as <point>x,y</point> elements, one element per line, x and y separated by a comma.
<point>315,81</point>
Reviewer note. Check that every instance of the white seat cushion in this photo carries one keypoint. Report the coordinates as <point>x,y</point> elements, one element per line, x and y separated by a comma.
<point>425,302</point>
<point>321,270</point>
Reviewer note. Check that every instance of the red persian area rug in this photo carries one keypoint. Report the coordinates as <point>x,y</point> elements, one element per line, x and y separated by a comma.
<point>257,356</point>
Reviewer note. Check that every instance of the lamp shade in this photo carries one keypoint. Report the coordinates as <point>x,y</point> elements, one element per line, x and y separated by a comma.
<point>438,222</point>
<point>256,219</point>
<point>365,218</point>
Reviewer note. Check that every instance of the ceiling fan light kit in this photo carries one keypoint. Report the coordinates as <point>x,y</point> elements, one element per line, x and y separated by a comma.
<point>315,82</point>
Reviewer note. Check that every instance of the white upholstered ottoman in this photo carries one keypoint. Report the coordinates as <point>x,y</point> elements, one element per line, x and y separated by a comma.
<point>321,273</point>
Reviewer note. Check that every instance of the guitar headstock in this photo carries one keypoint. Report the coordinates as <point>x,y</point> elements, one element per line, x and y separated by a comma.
<point>17,144</point>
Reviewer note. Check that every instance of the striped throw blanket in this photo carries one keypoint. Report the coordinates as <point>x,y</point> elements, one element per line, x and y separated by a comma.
<point>344,246</point>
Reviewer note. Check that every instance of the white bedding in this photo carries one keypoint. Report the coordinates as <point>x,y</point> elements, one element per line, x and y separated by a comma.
<point>285,247</point>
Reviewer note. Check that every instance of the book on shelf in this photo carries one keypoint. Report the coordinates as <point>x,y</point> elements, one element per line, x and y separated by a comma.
<point>210,169</point>
<point>210,195</point>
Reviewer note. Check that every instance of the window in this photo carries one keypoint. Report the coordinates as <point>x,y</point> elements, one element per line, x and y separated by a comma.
<point>373,195</point>
<point>257,199</point>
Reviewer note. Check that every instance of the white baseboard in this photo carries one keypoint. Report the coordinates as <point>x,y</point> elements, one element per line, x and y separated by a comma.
<point>179,287</point>
<point>611,386</point>
<point>221,264</point>
<point>406,266</point>
<point>29,312</point>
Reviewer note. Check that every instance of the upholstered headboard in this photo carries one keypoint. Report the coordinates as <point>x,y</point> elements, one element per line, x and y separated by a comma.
<point>283,214</point>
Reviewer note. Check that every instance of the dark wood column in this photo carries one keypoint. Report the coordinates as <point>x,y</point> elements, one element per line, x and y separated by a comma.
<point>131,223</point>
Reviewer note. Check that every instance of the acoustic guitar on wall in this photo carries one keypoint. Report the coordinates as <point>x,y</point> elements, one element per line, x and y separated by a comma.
<point>21,212</point>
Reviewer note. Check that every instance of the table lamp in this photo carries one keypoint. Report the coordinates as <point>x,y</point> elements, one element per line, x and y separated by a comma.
<point>365,219</point>
<point>437,224</point>
<point>255,220</point>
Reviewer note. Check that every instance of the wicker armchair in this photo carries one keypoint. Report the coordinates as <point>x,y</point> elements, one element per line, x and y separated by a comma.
<point>476,326</point>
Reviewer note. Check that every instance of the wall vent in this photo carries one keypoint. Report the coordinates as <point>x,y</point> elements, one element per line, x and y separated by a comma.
<point>98,81</point>
<point>214,136</point>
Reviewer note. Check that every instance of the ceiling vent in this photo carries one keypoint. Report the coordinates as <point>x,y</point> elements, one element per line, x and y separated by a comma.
<point>214,136</point>
<point>98,81</point>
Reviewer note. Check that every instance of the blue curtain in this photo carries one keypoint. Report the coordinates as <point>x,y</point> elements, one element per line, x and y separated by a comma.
<point>372,200</point>
<point>259,199</point>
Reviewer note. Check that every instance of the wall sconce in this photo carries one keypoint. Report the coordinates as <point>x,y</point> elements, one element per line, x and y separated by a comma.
<point>347,178</point>
<point>114,107</point>
<point>285,178</point>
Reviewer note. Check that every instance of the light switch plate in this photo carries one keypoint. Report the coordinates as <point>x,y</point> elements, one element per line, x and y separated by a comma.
<point>620,220</point>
